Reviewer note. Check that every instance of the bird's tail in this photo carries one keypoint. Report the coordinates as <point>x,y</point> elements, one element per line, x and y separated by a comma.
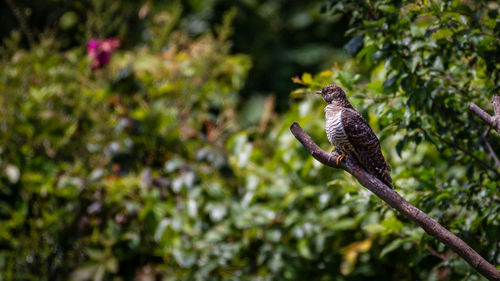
<point>386,178</point>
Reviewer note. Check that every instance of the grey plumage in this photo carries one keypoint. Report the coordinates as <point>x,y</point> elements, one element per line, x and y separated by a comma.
<point>334,127</point>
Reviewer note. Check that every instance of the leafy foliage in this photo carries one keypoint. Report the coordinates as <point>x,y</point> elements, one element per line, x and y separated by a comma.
<point>283,37</point>
<point>155,167</point>
<point>417,66</point>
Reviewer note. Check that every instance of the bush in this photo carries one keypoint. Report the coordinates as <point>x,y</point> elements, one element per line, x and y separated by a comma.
<point>154,167</point>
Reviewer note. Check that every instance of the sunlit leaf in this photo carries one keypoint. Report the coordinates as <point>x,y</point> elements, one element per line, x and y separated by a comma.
<point>350,254</point>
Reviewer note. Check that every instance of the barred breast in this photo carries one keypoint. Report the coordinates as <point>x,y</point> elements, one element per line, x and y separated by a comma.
<point>333,126</point>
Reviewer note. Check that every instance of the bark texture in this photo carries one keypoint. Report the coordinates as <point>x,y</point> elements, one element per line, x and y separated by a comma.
<point>493,121</point>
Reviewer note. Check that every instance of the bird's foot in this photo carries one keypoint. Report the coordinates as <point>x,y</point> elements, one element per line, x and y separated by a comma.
<point>346,147</point>
<point>341,157</point>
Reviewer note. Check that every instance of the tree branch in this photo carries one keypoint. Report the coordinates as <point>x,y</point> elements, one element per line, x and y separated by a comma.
<point>484,136</point>
<point>435,253</point>
<point>399,203</point>
<point>467,152</point>
<point>22,21</point>
<point>493,121</point>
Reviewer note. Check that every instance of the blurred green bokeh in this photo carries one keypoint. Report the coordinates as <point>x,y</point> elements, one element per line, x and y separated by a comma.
<point>175,162</point>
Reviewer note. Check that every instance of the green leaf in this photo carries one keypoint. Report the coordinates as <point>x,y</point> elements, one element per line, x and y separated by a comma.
<point>390,81</point>
<point>392,225</point>
<point>442,33</point>
<point>374,228</point>
<point>111,264</point>
<point>354,45</point>
<point>307,78</point>
<point>444,195</point>
<point>387,9</point>
<point>376,23</point>
<point>401,145</point>
<point>342,224</point>
<point>85,272</point>
<point>95,254</point>
<point>303,248</point>
<point>392,246</point>
<point>68,20</point>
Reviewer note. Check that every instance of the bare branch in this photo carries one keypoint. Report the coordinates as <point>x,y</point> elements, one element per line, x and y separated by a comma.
<point>22,21</point>
<point>468,153</point>
<point>482,114</point>
<point>493,121</point>
<point>399,203</point>
<point>484,136</point>
<point>435,253</point>
<point>496,106</point>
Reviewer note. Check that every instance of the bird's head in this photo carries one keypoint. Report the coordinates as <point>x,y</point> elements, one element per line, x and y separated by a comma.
<point>333,94</point>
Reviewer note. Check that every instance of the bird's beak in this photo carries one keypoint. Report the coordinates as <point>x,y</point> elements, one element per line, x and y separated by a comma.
<point>318,92</point>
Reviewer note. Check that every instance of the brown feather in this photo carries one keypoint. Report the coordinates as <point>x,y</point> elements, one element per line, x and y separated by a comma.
<point>366,145</point>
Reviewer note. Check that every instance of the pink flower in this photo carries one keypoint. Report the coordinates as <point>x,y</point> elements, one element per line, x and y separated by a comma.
<point>100,51</point>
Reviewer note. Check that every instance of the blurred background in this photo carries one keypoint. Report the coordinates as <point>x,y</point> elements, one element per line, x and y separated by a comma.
<point>149,140</point>
<point>282,38</point>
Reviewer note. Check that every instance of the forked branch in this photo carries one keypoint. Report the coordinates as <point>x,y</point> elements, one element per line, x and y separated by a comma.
<point>399,203</point>
<point>493,121</point>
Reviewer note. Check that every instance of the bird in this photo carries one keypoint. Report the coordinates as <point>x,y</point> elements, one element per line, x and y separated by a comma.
<point>351,135</point>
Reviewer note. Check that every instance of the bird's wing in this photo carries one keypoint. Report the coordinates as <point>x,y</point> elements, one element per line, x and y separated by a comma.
<point>366,145</point>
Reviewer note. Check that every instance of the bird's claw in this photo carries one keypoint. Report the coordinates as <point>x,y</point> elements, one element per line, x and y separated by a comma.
<point>341,157</point>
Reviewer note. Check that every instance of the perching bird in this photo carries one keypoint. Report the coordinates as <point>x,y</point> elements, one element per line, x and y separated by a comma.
<point>351,135</point>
